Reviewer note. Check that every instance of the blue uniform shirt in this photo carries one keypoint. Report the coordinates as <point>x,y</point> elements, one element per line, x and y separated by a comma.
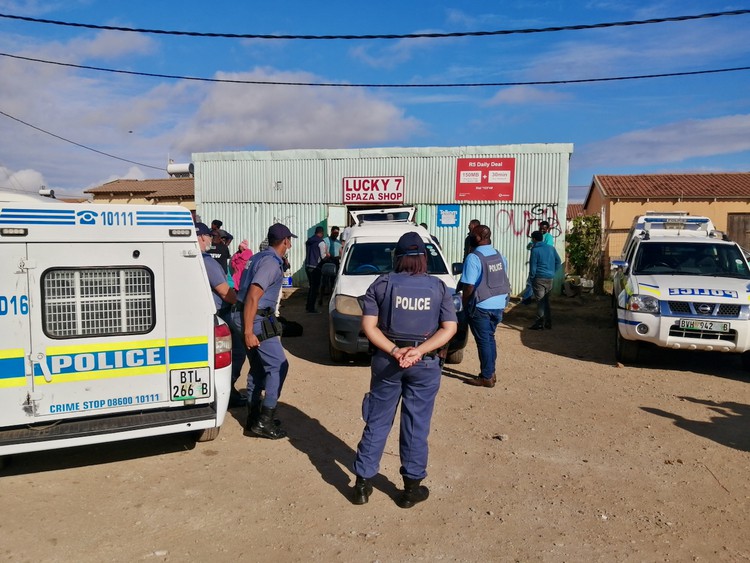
<point>472,275</point>
<point>216,277</point>
<point>264,270</point>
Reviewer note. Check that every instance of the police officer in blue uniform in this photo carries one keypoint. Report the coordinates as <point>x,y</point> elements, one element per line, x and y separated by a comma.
<point>260,285</point>
<point>407,316</point>
<point>485,294</point>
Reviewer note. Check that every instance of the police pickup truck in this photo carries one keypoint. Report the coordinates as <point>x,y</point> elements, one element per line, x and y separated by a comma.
<point>681,285</point>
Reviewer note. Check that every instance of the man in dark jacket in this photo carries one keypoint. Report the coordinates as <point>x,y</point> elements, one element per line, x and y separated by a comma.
<point>315,252</point>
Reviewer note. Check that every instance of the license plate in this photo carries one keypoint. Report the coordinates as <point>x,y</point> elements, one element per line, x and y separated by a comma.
<point>189,384</point>
<point>709,326</point>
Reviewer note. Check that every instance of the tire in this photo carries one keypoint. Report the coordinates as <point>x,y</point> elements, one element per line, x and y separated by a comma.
<point>626,351</point>
<point>207,434</point>
<point>455,357</point>
<point>745,359</point>
<point>336,355</point>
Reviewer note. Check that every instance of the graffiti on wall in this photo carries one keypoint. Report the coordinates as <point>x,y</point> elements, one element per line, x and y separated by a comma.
<point>521,223</point>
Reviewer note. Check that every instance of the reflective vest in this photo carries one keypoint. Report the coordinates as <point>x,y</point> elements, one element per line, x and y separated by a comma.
<point>411,307</point>
<point>494,278</point>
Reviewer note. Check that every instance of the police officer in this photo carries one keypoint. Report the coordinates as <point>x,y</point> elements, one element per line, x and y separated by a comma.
<point>260,285</point>
<point>485,287</point>
<point>407,316</point>
<point>224,298</point>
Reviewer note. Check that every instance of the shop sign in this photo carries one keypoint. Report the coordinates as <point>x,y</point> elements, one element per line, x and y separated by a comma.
<point>374,189</point>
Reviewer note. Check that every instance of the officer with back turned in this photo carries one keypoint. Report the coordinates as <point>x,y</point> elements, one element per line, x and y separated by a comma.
<point>407,317</point>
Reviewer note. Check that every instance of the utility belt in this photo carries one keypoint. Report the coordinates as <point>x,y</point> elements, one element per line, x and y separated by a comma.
<point>239,307</point>
<point>439,353</point>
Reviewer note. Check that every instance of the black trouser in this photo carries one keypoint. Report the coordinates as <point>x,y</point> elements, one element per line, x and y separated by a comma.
<point>313,276</point>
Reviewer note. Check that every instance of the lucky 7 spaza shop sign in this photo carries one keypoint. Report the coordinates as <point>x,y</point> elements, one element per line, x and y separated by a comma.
<point>485,179</point>
<point>374,189</point>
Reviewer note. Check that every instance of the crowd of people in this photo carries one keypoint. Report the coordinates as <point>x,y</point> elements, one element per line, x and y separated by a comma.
<point>408,316</point>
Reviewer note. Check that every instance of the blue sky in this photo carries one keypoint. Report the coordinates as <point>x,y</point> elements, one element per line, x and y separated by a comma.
<point>678,124</point>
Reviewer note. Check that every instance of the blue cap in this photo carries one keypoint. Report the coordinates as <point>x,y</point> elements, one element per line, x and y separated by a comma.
<point>410,244</point>
<point>277,231</point>
<point>202,229</point>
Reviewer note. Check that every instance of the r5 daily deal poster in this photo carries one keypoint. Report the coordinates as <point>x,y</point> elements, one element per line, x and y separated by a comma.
<point>485,179</point>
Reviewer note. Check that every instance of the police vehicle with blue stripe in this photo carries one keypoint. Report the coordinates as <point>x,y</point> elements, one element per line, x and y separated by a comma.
<point>108,326</point>
<point>682,285</point>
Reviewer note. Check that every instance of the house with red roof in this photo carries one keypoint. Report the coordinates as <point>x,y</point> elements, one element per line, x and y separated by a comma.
<point>723,197</point>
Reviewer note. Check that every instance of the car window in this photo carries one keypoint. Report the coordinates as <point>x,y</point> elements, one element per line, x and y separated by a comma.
<point>367,258</point>
<point>683,258</point>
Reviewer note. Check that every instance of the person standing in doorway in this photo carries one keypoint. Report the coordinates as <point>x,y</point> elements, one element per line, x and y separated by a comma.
<point>407,317</point>
<point>315,253</point>
<point>543,264</point>
<point>485,294</point>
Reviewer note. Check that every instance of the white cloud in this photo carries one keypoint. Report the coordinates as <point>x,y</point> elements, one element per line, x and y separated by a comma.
<point>674,142</point>
<point>516,95</point>
<point>21,180</point>
<point>279,117</point>
<point>396,52</point>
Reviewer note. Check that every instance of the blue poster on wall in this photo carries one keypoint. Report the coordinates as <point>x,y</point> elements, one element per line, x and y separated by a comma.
<point>448,215</point>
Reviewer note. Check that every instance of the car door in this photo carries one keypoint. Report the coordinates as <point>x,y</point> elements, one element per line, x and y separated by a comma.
<point>98,337</point>
<point>15,379</point>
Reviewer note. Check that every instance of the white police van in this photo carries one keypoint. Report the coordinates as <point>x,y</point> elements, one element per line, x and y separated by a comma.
<point>680,284</point>
<point>108,326</point>
<point>368,253</point>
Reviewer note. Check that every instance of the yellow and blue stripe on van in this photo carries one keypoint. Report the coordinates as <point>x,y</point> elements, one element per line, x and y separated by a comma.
<point>12,368</point>
<point>122,359</point>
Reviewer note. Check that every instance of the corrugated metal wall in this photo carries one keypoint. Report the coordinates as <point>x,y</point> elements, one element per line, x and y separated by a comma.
<point>249,191</point>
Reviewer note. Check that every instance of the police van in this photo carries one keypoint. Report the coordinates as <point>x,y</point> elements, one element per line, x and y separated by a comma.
<point>682,285</point>
<point>368,253</point>
<point>108,326</point>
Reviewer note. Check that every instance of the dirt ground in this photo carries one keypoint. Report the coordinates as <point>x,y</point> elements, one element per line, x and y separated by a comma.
<point>569,458</point>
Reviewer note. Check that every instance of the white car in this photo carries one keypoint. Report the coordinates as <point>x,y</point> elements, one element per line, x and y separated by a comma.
<point>367,254</point>
<point>682,288</point>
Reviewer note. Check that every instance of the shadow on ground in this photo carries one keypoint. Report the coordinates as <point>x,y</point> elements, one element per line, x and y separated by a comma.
<point>97,454</point>
<point>729,427</point>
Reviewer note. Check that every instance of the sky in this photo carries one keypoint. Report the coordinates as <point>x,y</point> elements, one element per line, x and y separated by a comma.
<point>69,129</point>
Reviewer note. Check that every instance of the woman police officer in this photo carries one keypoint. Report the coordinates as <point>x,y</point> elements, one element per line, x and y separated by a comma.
<point>407,317</point>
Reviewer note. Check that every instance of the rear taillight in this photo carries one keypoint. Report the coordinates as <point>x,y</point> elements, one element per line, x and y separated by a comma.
<point>222,346</point>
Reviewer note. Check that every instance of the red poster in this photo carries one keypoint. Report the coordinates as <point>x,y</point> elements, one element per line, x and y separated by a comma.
<point>485,179</point>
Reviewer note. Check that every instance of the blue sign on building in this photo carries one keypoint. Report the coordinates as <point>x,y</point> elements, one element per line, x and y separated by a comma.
<point>448,215</point>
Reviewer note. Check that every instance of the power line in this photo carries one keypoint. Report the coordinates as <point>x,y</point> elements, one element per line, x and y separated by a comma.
<point>374,85</point>
<point>78,144</point>
<point>381,36</point>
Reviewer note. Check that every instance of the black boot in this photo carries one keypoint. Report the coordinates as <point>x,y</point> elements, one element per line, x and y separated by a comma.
<point>362,491</point>
<point>265,427</point>
<point>413,493</point>
<point>253,412</point>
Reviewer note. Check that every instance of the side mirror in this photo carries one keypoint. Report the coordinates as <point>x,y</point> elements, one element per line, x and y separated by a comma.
<point>457,268</point>
<point>619,264</point>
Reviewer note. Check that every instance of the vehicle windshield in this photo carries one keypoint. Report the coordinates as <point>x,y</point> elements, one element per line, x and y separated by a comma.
<point>367,258</point>
<point>685,258</point>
